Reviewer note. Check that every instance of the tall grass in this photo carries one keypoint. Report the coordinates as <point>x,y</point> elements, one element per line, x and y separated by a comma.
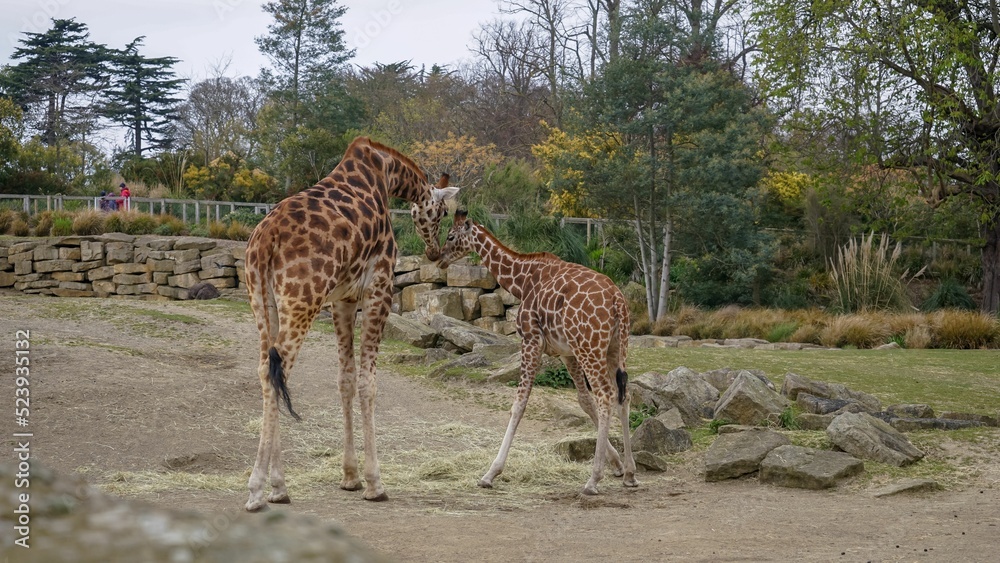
<point>864,277</point>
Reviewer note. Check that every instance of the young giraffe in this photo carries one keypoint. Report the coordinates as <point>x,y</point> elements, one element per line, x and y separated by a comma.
<point>333,243</point>
<point>566,310</point>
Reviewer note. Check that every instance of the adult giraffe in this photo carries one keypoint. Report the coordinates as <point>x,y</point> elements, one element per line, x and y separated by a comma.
<point>333,243</point>
<point>566,310</point>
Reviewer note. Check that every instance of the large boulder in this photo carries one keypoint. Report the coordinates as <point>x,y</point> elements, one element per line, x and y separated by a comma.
<point>722,378</point>
<point>749,401</point>
<point>509,369</point>
<point>447,301</point>
<point>75,522</point>
<point>581,448</point>
<point>867,437</point>
<point>740,453</point>
<point>682,389</point>
<point>807,468</point>
<point>410,331</point>
<point>818,405</point>
<point>654,437</point>
<point>464,336</point>
<point>794,384</point>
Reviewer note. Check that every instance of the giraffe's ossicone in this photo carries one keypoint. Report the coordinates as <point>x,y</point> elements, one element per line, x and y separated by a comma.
<point>566,310</point>
<point>333,243</point>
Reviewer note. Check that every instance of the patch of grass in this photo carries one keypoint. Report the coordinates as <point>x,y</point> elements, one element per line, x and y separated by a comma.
<point>714,426</point>
<point>782,332</point>
<point>637,415</point>
<point>163,316</point>
<point>557,378</point>
<point>789,419</point>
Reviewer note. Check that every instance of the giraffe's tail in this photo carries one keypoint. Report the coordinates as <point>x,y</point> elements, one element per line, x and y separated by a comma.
<point>622,314</point>
<point>276,374</point>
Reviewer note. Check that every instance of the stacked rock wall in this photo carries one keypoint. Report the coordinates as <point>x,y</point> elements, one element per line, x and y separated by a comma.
<point>116,264</point>
<point>161,268</point>
<point>463,291</point>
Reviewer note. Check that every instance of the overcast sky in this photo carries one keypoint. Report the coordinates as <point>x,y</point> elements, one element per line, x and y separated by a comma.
<point>204,32</point>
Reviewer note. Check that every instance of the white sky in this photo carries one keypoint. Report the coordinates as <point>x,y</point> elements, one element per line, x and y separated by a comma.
<point>204,32</point>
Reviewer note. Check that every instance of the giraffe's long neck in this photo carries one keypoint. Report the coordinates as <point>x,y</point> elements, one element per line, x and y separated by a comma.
<point>513,271</point>
<point>405,181</point>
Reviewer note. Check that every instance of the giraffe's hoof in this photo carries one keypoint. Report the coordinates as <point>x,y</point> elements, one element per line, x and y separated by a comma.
<point>256,506</point>
<point>351,485</point>
<point>485,484</point>
<point>279,498</point>
<point>590,491</point>
<point>619,471</point>
<point>381,497</point>
<point>631,482</point>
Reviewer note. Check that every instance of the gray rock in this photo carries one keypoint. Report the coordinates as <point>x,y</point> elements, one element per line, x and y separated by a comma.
<point>406,264</point>
<point>734,428</point>
<point>671,419</point>
<point>867,437</point>
<point>509,370</point>
<point>912,424</point>
<point>409,331</point>
<point>807,468</point>
<point>809,421</point>
<point>408,299</point>
<point>467,275</point>
<point>682,389</point>
<point>447,301</point>
<point>653,436</point>
<point>581,448</point>
<point>80,524</point>
<point>432,355</point>
<point>818,405</point>
<point>199,243</point>
<point>463,335</point>
<point>986,420</point>
<point>650,461</point>
<point>911,411</point>
<point>749,401</point>
<point>794,384</point>
<point>740,453</point>
<point>458,368</point>
<point>907,486</point>
<point>722,378</point>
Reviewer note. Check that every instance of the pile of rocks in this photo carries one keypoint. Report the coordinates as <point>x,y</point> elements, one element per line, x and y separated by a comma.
<point>116,264</point>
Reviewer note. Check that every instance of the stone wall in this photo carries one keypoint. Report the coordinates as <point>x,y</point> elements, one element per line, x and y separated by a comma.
<point>162,268</point>
<point>116,264</point>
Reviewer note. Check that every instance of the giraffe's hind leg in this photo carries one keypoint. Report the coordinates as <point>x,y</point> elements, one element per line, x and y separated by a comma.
<point>343,322</point>
<point>586,400</point>
<point>595,369</point>
<point>376,311</point>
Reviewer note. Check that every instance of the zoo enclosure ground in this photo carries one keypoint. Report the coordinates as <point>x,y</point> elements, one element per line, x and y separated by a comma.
<point>159,402</point>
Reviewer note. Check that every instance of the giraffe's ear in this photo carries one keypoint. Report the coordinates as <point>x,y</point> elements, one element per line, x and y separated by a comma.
<point>443,194</point>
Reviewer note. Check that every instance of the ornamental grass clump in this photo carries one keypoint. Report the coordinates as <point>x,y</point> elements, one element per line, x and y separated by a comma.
<point>863,277</point>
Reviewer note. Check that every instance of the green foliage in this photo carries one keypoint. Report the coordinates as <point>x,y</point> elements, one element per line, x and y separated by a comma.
<point>717,423</point>
<point>62,227</point>
<point>639,414</point>
<point>782,332</point>
<point>140,224</point>
<point>789,419</point>
<point>533,232</point>
<point>243,216</point>
<point>555,377</point>
<point>7,218</point>
<point>89,223</point>
<point>949,294</point>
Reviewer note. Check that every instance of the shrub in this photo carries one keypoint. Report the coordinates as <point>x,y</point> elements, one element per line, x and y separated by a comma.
<point>639,414</point>
<point>864,279</point>
<point>115,223</point>
<point>862,331</point>
<point>43,224</point>
<point>217,229</point>
<point>781,332</point>
<point>89,222</point>
<point>641,326</point>
<point>964,329</point>
<point>949,294</point>
<point>555,377</point>
<point>140,224</point>
<point>199,231</point>
<point>244,216</point>
<point>917,337</point>
<point>20,228</point>
<point>170,226</point>
<point>807,334</point>
<point>238,231</point>
<point>7,218</point>
<point>62,227</point>
<point>664,326</point>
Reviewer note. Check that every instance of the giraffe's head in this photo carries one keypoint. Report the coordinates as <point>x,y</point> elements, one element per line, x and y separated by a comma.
<point>428,213</point>
<point>459,242</point>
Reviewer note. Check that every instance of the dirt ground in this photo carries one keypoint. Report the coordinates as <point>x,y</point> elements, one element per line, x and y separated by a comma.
<point>121,389</point>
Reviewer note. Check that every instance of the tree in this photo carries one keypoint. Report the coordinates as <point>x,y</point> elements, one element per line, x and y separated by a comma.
<point>141,97</point>
<point>219,116</point>
<point>56,83</point>
<point>915,82</point>
<point>305,45</point>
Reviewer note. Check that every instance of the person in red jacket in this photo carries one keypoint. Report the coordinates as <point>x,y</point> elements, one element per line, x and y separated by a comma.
<point>126,194</point>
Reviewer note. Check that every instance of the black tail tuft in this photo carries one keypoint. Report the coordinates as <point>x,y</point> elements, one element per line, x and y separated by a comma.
<point>622,379</point>
<point>277,376</point>
<point>587,382</point>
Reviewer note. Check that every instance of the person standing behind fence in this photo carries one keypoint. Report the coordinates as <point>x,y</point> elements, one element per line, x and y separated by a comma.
<point>108,202</point>
<point>126,202</point>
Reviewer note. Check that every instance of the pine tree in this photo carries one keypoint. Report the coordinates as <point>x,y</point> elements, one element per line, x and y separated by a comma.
<point>142,97</point>
<point>55,84</point>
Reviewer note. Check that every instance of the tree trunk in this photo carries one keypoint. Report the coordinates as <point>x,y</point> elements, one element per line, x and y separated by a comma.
<point>647,268</point>
<point>614,28</point>
<point>665,272</point>
<point>991,266</point>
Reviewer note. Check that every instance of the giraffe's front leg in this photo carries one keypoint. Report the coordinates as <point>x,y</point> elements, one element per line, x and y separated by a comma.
<point>343,321</point>
<point>531,355</point>
<point>376,312</point>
